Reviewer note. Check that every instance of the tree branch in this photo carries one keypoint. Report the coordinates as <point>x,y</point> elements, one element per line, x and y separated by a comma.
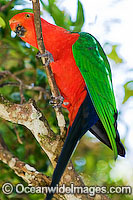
<point>20,84</point>
<point>8,73</point>
<point>25,171</point>
<point>31,117</point>
<point>51,80</point>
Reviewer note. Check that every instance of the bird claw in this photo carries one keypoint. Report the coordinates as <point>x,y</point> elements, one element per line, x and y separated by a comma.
<point>56,101</point>
<point>47,55</point>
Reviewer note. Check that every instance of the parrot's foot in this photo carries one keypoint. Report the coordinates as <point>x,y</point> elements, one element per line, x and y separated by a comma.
<point>56,101</point>
<point>48,57</point>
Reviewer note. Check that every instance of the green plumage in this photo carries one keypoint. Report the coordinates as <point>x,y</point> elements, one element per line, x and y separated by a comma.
<point>95,69</point>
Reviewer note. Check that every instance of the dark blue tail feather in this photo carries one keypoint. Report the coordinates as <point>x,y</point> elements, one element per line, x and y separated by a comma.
<point>85,118</point>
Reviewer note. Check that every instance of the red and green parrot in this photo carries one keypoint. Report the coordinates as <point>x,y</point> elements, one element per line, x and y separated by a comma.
<point>83,76</point>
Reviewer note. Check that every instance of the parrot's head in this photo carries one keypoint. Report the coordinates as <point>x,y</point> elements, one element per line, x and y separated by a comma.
<point>23,25</point>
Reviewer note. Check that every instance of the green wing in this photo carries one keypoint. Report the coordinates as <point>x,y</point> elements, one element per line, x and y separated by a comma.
<point>95,69</point>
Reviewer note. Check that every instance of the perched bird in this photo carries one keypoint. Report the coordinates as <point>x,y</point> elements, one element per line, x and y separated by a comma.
<point>83,76</point>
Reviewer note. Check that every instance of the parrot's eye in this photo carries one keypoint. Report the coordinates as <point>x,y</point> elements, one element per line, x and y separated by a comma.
<point>27,16</point>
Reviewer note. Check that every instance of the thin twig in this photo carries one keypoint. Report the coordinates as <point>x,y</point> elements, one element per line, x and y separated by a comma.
<point>41,90</point>
<point>17,134</point>
<point>51,80</point>
<point>8,73</point>
<point>2,8</point>
<point>29,87</point>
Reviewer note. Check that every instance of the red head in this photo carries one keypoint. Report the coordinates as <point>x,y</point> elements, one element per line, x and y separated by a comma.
<point>23,25</point>
<point>56,38</point>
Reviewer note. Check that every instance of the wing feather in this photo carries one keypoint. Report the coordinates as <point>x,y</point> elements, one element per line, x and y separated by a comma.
<point>95,69</point>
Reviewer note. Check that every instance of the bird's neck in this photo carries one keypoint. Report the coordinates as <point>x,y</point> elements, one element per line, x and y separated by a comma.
<point>57,39</point>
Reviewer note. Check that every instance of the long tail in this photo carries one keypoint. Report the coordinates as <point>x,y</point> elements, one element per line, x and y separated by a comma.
<point>85,118</point>
<point>68,148</point>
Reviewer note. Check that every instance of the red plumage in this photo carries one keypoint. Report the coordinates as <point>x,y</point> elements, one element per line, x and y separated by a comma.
<point>59,43</point>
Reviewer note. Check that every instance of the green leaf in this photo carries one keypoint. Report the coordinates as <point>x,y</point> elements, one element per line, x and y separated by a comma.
<point>128,91</point>
<point>2,23</point>
<point>62,18</point>
<point>45,7</point>
<point>80,18</point>
<point>57,14</point>
<point>114,55</point>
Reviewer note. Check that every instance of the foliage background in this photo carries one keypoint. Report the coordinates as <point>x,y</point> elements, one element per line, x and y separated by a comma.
<point>93,160</point>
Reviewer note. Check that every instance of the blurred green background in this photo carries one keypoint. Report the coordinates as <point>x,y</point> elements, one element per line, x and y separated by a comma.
<point>92,159</point>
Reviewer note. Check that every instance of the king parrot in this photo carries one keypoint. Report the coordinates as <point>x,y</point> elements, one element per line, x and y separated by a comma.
<point>83,76</point>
